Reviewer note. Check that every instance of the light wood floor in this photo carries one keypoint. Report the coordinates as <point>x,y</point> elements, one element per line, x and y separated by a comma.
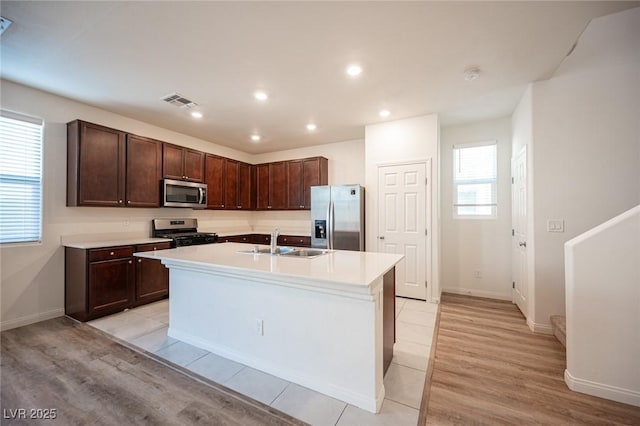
<point>489,369</point>
<point>91,379</point>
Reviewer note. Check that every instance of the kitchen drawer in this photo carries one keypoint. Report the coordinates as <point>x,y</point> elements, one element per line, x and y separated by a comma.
<point>296,241</point>
<point>153,246</point>
<point>110,253</point>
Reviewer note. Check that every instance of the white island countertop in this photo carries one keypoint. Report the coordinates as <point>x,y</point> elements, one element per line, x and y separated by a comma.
<point>339,270</point>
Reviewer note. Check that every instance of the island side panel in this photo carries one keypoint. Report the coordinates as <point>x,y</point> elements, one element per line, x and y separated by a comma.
<point>326,342</point>
<point>389,317</point>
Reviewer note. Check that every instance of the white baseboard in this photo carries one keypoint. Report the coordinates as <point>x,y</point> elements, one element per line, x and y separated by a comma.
<point>601,390</point>
<point>542,328</point>
<point>478,293</point>
<point>30,319</point>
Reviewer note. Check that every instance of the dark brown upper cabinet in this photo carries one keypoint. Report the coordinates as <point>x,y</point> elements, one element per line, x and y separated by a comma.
<point>182,163</point>
<point>301,176</point>
<point>144,165</point>
<point>107,167</point>
<point>238,186</point>
<point>215,179</point>
<point>271,182</point>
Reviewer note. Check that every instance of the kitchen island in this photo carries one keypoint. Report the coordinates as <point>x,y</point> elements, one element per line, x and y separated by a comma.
<point>326,322</point>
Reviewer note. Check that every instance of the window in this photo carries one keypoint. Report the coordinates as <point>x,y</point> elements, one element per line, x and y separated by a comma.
<point>474,180</point>
<point>20,178</point>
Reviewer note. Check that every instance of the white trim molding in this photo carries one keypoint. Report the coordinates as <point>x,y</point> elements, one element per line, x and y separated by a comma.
<point>601,390</point>
<point>31,319</point>
<point>478,293</point>
<point>542,328</point>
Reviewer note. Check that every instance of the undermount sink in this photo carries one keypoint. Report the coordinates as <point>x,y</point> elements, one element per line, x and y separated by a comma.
<point>287,251</point>
<point>306,253</point>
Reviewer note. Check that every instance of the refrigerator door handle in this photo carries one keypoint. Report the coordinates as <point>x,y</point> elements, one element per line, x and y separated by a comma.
<point>330,222</point>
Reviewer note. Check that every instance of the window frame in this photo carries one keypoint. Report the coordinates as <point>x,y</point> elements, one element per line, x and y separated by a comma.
<point>456,183</point>
<point>26,241</point>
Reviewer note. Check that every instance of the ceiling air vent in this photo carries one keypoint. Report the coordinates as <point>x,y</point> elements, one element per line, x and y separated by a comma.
<point>179,101</point>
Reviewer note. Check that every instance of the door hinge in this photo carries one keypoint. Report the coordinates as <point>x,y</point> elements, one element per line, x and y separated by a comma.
<point>426,181</point>
<point>513,232</point>
<point>513,284</point>
<point>425,283</point>
<point>426,232</point>
<point>512,181</point>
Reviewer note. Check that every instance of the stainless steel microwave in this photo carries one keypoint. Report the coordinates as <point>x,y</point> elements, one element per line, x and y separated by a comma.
<point>177,193</point>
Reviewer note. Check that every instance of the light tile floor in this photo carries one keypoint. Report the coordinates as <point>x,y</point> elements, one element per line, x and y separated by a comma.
<point>146,327</point>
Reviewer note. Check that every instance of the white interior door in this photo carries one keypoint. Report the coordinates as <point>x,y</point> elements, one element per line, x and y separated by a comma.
<point>402,215</point>
<point>519,226</point>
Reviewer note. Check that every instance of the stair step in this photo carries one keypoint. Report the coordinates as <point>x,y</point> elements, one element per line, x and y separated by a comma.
<point>559,326</point>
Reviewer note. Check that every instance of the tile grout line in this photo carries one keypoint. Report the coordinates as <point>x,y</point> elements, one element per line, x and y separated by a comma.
<point>281,392</point>
<point>341,413</point>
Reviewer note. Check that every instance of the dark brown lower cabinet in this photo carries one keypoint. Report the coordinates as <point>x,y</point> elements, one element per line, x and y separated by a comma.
<point>388,317</point>
<point>283,240</point>
<point>152,277</point>
<point>104,281</point>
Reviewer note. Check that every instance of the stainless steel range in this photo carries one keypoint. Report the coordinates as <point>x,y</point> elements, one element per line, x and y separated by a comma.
<point>183,232</point>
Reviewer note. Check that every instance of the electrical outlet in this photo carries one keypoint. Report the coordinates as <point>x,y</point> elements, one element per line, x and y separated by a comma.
<point>260,327</point>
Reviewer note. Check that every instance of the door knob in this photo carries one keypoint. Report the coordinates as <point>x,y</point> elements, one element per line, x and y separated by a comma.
<point>523,244</point>
<point>382,237</point>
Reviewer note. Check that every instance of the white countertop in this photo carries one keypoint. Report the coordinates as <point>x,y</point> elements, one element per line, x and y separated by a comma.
<point>114,243</point>
<point>355,269</point>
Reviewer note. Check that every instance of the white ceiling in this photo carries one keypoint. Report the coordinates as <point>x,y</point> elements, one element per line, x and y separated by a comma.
<point>125,56</point>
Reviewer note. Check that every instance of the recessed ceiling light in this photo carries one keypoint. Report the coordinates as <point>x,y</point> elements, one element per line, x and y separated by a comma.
<point>354,70</point>
<point>196,114</point>
<point>471,73</point>
<point>255,138</point>
<point>311,127</point>
<point>384,113</point>
<point>261,96</point>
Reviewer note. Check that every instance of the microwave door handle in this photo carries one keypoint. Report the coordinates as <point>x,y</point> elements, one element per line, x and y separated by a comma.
<point>201,192</point>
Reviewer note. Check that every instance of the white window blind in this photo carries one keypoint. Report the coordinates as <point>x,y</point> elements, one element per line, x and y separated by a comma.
<point>474,179</point>
<point>20,178</point>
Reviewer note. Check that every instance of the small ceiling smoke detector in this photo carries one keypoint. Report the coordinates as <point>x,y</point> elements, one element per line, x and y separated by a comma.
<point>384,113</point>
<point>354,70</point>
<point>255,138</point>
<point>178,100</point>
<point>311,127</point>
<point>472,73</point>
<point>4,24</point>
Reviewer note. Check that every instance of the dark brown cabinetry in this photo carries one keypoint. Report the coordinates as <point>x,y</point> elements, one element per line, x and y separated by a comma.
<point>107,167</point>
<point>104,281</point>
<point>283,240</point>
<point>238,185</point>
<point>301,176</point>
<point>271,182</point>
<point>95,165</point>
<point>152,277</point>
<point>215,179</point>
<point>144,163</point>
<point>182,163</point>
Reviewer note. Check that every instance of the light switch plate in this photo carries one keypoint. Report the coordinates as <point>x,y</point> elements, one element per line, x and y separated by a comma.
<point>555,225</point>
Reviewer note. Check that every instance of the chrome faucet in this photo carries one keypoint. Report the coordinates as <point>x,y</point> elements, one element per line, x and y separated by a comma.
<point>274,241</point>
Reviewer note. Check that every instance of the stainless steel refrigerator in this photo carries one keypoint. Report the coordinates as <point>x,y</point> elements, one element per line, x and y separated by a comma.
<point>337,217</point>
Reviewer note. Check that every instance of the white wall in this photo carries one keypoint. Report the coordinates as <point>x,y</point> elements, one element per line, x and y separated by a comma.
<point>346,166</point>
<point>603,310</point>
<point>586,146</point>
<point>33,274</point>
<point>412,139</point>
<point>470,245</point>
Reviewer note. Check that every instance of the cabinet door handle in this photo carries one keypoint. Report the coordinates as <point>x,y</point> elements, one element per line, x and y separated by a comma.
<point>128,201</point>
<point>269,207</point>
<point>130,262</point>
<point>139,260</point>
<point>239,207</point>
<point>223,205</point>
<point>119,201</point>
<point>111,253</point>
